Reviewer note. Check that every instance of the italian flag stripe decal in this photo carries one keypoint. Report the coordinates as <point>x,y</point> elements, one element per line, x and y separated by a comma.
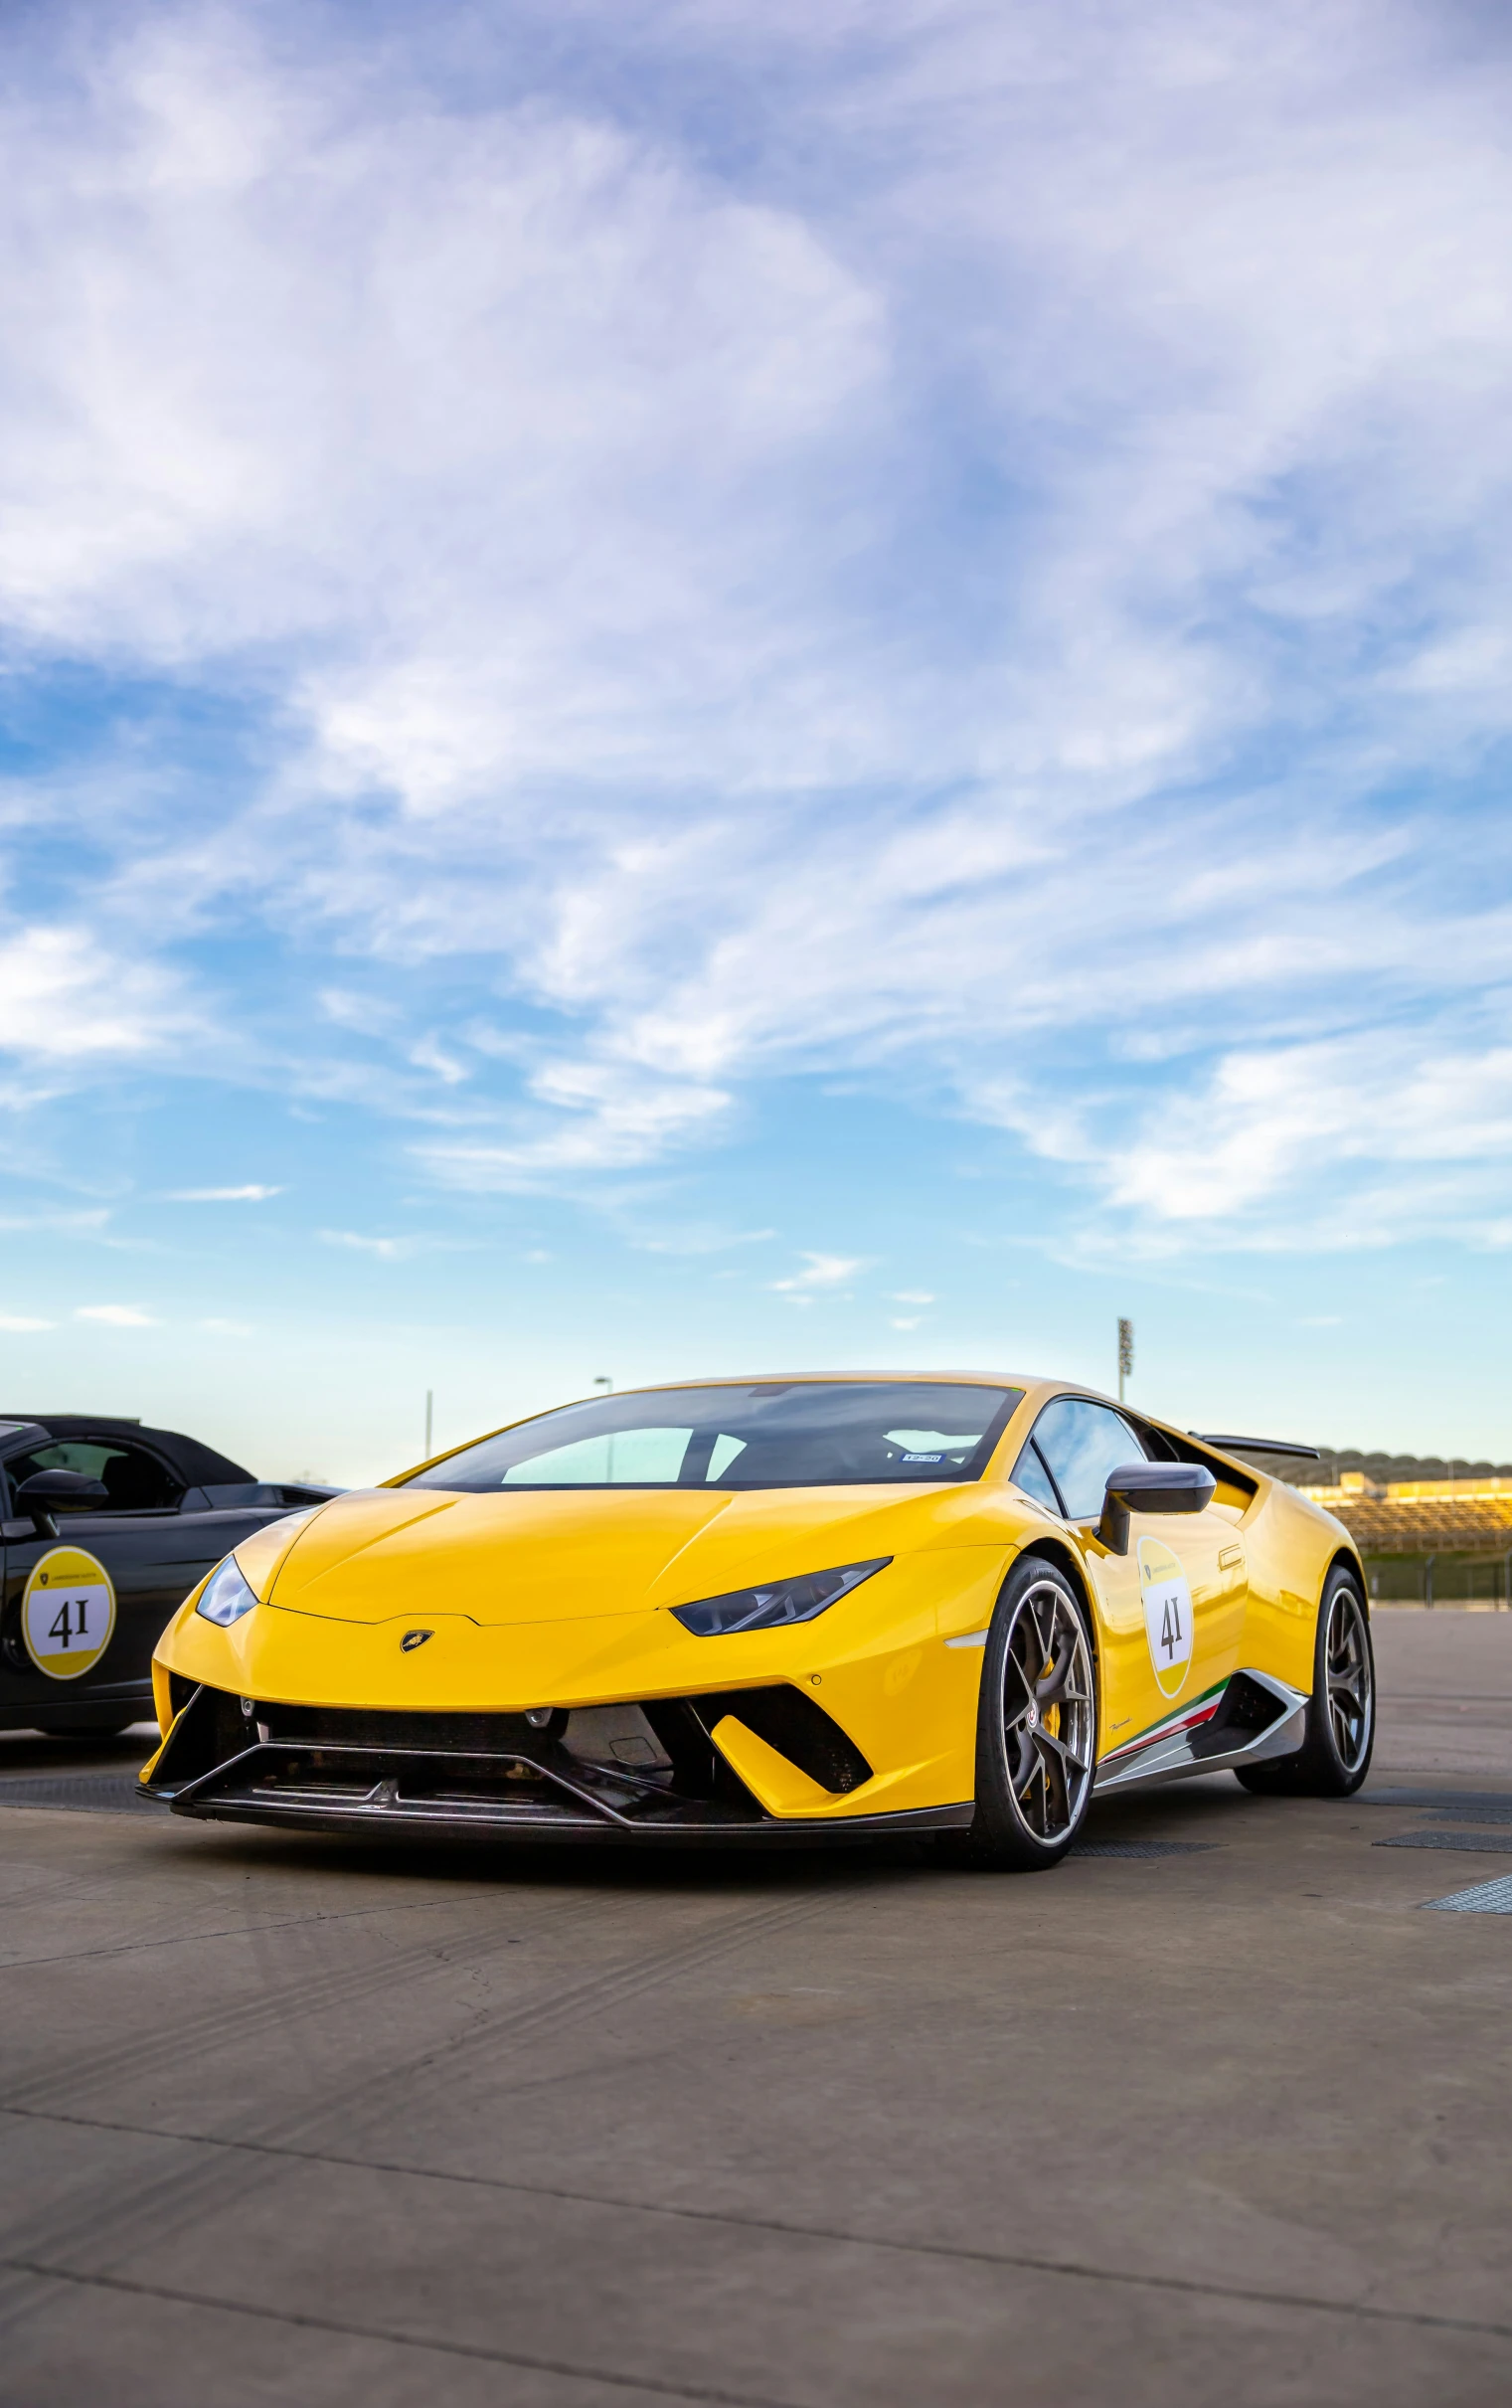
<point>1186,1718</point>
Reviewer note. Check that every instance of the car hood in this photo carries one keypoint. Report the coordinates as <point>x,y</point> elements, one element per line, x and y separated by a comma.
<point>531,1556</point>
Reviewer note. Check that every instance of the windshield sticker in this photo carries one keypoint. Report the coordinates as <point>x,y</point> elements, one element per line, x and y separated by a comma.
<point>1167,1615</point>
<point>68,1612</point>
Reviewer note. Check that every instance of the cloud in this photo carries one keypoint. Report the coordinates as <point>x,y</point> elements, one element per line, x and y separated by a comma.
<point>822,1275</point>
<point>987,581</point>
<point>1384,1139</point>
<point>115,1316</point>
<point>384,1250</point>
<point>596,1117</point>
<point>912,1295</point>
<point>227,1329</point>
<point>20,1322</point>
<point>222,1195</point>
<point>67,998</point>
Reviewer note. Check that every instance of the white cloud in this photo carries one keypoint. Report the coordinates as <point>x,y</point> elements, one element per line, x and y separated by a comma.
<point>20,1322</point>
<point>1383,1139</point>
<point>66,996</point>
<point>222,1195</point>
<point>971,610</point>
<point>822,1275</point>
<point>430,1056</point>
<point>619,1119</point>
<point>384,1250</point>
<point>912,1295</point>
<point>214,1327</point>
<point>115,1316</point>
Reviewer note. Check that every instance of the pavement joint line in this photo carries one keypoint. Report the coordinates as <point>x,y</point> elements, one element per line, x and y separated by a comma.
<point>301,2321</point>
<point>1021,2261</point>
<point>168,2203</point>
<point>232,1931</point>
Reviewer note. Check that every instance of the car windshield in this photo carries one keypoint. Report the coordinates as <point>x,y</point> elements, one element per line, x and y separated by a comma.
<point>769,1435</point>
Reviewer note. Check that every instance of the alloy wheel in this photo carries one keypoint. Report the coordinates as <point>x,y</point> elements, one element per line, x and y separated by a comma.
<point>1049,1740</point>
<point>1347,1668</point>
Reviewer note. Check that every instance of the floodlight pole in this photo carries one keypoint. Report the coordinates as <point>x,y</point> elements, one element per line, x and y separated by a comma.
<point>1125,1354</point>
<point>429,1400</point>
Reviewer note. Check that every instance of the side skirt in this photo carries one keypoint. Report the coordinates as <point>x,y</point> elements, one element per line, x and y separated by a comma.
<point>1254,1717</point>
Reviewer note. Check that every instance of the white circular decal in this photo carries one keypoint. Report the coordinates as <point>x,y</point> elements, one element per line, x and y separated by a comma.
<point>1167,1615</point>
<point>68,1612</point>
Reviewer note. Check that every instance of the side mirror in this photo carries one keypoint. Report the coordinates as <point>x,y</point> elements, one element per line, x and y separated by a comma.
<point>1151,1488</point>
<point>47,1493</point>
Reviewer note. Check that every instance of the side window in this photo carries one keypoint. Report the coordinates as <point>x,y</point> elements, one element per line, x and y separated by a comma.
<point>136,1480</point>
<point>1030,1474</point>
<point>1082,1444</point>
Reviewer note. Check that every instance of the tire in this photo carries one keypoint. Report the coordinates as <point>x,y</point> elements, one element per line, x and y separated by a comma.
<point>1033,1783</point>
<point>1334,1758</point>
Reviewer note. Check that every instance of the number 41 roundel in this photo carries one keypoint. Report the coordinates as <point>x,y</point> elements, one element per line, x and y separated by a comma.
<point>68,1612</point>
<point>1167,1615</point>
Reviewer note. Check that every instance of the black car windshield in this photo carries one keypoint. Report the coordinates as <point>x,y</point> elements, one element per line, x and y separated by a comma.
<point>790,1434</point>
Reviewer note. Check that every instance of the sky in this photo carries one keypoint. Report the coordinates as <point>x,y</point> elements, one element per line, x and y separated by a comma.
<point>696,687</point>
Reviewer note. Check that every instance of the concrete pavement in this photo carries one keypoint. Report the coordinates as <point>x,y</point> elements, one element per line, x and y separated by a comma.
<point>298,2121</point>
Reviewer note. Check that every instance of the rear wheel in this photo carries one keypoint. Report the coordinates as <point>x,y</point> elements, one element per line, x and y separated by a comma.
<point>1036,1726</point>
<point>1334,1758</point>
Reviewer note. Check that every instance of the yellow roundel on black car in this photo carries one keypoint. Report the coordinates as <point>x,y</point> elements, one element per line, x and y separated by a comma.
<point>68,1612</point>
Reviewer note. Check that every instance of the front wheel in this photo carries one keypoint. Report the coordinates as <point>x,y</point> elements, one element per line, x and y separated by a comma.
<point>1334,1758</point>
<point>1035,1725</point>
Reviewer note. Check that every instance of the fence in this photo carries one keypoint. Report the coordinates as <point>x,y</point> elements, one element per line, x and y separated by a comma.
<point>1441,1580</point>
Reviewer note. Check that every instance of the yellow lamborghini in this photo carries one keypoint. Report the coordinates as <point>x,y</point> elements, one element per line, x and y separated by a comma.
<point>811,1609</point>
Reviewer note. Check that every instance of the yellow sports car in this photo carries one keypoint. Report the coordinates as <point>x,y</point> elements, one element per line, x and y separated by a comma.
<point>810,1609</point>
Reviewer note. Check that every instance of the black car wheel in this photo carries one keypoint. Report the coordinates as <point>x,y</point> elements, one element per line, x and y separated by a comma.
<point>1334,1758</point>
<point>1036,1728</point>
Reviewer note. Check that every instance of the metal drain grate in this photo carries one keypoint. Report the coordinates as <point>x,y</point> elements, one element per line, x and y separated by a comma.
<point>1463,1805</point>
<point>1474,1840</point>
<point>78,1792</point>
<point>1486,1898</point>
<point>1140,1847</point>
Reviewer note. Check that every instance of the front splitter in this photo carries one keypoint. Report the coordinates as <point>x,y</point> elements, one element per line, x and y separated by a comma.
<point>393,1818</point>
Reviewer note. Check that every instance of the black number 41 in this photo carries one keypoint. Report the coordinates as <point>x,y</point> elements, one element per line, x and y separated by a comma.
<point>58,1627</point>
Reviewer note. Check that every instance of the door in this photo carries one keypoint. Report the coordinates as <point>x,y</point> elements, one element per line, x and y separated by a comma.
<point>1172,1607</point>
<point>83,1611</point>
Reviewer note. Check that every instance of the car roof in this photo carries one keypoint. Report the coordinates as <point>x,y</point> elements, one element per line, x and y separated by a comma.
<point>882,1378</point>
<point>197,1464</point>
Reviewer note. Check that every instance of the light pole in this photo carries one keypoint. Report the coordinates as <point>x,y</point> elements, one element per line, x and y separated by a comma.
<point>429,1400</point>
<point>1125,1354</point>
<point>604,1382</point>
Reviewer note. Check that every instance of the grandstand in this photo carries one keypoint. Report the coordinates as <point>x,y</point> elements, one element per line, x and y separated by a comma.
<point>1432,1530</point>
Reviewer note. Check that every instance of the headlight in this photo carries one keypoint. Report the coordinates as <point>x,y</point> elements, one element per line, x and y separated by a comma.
<point>781,1601</point>
<point>226,1595</point>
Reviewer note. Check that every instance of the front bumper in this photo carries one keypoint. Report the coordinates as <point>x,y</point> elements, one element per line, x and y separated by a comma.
<point>495,1775</point>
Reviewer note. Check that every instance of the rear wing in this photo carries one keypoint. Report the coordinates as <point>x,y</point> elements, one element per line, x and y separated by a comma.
<point>1257,1446</point>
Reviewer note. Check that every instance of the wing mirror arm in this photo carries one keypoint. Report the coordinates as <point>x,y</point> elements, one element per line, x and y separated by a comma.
<point>1113,1529</point>
<point>1150,1488</point>
<point>47,1493</point>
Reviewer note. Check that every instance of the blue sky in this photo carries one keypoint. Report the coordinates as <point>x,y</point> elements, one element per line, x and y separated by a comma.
<point>697,687</point>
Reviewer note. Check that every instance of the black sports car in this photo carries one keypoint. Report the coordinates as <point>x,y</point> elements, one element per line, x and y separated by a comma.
<point>107,1526</point>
